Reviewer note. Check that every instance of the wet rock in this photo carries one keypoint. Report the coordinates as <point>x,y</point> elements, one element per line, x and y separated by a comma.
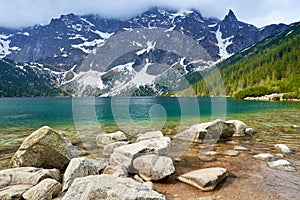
<point>14,192</point>
<point>44,190</point>
<point>240,127</point>
<point>296,126</point>
<point>204,179</point>
<point>117,171</point>
<point>150,135</point>
<point>109,187</point>
<point>194,133</point>
<point>250,131</point>
<point>80,167</point>
<point>219,129</point>
<point>109,138</point>
<point>26,176</point>
<point>231,153</point>
<point>153,167</point>
<point>109,148</point>
<point>125,155</point>
<point>240,148</point>
<point>283,165</point>
<point>211,153</point>
<point>283,148</point>
<point>265,157</point>
<point>45,148</point>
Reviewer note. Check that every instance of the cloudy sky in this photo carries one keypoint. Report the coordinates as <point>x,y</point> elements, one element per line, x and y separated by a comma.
<point>20,13</point>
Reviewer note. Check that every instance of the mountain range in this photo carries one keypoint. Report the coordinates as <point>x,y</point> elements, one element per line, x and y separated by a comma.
<point>150,54</point>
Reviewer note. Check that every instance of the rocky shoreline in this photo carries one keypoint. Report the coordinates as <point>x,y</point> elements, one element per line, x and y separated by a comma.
<point>48,166</point>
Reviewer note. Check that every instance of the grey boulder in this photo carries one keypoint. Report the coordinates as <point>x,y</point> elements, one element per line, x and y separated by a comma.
<point>124,155</point>
<point>204,179</point>
<point>80,167</point>
<point>153,167</point>
<point>44,190</point>
<point>109,188</point>
<point>45,148</point>
<point>26,176</point>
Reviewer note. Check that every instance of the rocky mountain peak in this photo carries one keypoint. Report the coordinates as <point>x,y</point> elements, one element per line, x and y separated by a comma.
<point>230,16</point>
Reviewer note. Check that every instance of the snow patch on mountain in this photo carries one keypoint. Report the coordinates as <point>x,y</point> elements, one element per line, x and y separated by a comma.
<point>223,44</point>
<point>150,46</point>
<point>4,46</point>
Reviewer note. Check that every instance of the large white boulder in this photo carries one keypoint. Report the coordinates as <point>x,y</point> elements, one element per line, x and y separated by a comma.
<point>124,155</point>
<point>153,167</point>
<point>45,148</point>
<point>109,188</point>
<point>80,167</point>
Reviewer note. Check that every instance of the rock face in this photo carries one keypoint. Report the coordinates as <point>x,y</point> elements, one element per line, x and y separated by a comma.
<point>283,148</point>
<point>14,192</point>
<point>124,155</point>
<point>80,167</point>
<point>150,135</point>
<point>26,176</point>
<point>204,179</point>
<point>109,188</point>
<point>153,167</point>
<point>265,157</point>
<point>45,190</point>
<point>109,148</point>
<point>239,126</point>
<point>109,138</point>
<point>45,148</point>
<point>283,165</point>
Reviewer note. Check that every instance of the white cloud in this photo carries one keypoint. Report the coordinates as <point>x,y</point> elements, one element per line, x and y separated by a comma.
<point>16,13</point>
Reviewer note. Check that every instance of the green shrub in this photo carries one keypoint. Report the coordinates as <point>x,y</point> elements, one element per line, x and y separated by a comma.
<point>253,92</point>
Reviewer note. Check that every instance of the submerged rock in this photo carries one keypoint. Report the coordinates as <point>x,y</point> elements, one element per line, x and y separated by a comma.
<point>109,187</point>
<point>45,148</point>
<point>265,157</point>
<point>283,148</point>
<point>80,167</point>
<point>296,126</point>
<point>204,179</point>
<point>283,165</point>
<point>125,155</point>
<point>109,138</point>
<point>231,153</point>
<point>44,190</point>
<point>250,131</point>
<point>26,176</point>
<point>240,148</point>
<point>153,167</point>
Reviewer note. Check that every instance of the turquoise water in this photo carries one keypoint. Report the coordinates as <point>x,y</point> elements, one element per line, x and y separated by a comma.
<point>36,112</point>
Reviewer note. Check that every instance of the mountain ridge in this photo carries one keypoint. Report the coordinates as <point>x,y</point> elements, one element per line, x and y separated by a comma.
<point>65,43</point>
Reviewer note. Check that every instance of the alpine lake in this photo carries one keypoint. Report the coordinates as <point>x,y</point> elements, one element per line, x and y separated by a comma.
<point>79,119</point>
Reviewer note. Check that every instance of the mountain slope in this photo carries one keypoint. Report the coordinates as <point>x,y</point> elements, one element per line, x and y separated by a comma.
<point>274,63</point>
<point>28,80</point>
